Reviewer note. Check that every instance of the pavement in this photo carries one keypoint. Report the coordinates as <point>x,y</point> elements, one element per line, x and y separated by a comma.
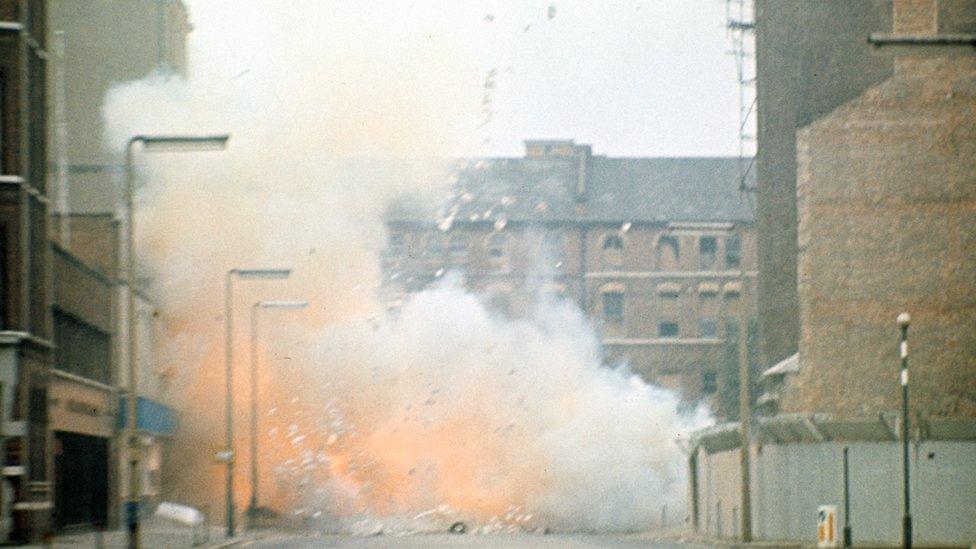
<point>153,534</point>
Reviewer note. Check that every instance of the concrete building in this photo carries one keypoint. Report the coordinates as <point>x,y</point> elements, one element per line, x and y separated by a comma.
<point>141,37</point>
<point>886,184</point>
<point>87,388</point>
<point>650,248</point>
<point>25,276</point>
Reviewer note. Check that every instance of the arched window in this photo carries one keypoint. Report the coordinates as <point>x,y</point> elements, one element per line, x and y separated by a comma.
<point>613,250</point>
<point>613,242</point>
<point>668,253</point>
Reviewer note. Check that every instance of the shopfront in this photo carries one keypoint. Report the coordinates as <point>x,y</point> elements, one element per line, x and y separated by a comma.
<point>81,419</point>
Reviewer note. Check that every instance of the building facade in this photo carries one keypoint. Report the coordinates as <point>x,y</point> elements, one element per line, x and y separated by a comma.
<point>651,249</point>
<point>142,37</point>
<point>25,320</point>
<point>810,58</point>
<point>886,187</point>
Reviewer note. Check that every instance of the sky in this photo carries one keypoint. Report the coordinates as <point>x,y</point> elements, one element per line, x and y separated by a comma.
<point>632,78</point>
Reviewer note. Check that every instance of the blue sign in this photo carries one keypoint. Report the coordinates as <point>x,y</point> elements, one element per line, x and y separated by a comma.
<point>151,416</point>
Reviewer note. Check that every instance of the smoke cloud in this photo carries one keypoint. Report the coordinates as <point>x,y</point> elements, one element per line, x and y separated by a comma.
<point>442,411</point>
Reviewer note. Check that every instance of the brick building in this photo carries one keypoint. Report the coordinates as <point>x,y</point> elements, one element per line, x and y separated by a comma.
<point>650,248</point>
<point>810,58</point>
<point>886,188</point>
<point>25,276</point>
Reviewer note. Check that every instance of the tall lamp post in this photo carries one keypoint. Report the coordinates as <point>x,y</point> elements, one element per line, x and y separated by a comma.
<point>745,407</point>
<point>904,319</point>
<point>150,143</point>
<point>243,274</point>
<point>252,508</point>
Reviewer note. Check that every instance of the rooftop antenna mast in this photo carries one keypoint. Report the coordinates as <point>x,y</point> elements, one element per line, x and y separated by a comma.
<point>740,25</point>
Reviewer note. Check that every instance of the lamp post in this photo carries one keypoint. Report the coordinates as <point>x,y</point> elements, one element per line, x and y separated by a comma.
<point>745,409</point>
<point>150,143</point>
<point>904,319</point>
<point>243,274</point>
<point>252,508</point>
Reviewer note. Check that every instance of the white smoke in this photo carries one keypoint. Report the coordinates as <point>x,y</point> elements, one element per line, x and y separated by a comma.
<point>364,413</point>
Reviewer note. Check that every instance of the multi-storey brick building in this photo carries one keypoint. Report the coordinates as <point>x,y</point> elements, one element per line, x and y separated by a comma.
<point>25,276</point>
<point>810,58</point>
<point>886,188</point>
<point>650,248</point>
<point>886,204</point>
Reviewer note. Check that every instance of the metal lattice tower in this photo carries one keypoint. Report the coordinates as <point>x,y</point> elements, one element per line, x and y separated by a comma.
<point>740,25</point>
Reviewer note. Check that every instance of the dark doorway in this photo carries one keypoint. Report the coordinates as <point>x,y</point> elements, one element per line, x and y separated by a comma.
<point>81,470</point>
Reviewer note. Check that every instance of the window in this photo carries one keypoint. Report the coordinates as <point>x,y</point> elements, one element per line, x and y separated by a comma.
<point>708,327</point>
<point>709,383</point>
<point>553,249</point>
<point>498,251</point>
<point>613,248</point>
<point>667,329</point>
<point>733,251</point>
<point>82,349</point>
<point>496,245</point>
<point>667,253</point>
<point>707,247</point>
<point>613,242</point>
<point>396,247</point>
<point>435,246</point>
<point>459,247</point>
<point>613,307</point>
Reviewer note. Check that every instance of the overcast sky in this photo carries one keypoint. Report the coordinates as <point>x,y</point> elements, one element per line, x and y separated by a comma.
<point>632,78</point>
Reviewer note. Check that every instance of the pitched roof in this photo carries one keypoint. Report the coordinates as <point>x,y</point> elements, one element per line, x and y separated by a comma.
<point>541,189</point>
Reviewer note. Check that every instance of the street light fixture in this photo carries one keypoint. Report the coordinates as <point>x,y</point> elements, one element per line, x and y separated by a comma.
<point>150,143</point>
<point>252,508</point>
<point>243,274</point>
<point>904,319</point>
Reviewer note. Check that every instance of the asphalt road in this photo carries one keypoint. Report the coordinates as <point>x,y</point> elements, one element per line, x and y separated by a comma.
<point>503,541</point>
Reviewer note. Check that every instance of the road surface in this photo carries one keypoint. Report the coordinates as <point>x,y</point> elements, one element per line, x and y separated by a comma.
<point>501,541</point>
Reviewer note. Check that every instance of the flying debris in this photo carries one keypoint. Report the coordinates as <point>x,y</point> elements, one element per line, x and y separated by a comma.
<point>551,12</point>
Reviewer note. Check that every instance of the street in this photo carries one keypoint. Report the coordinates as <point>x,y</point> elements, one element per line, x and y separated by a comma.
<point>284,540</point>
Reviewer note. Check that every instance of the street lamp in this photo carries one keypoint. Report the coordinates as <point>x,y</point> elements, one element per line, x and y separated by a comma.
<point>904,319</point>
<point>150,143</point>
<point>252,508</point>
<point>243,274</point>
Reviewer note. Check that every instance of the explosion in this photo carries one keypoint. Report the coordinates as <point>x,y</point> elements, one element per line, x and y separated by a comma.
<point>440,411</point>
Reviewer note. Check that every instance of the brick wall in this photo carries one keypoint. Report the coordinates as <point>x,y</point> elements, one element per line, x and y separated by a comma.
<point>887,205</point>
<point>811,57</point>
